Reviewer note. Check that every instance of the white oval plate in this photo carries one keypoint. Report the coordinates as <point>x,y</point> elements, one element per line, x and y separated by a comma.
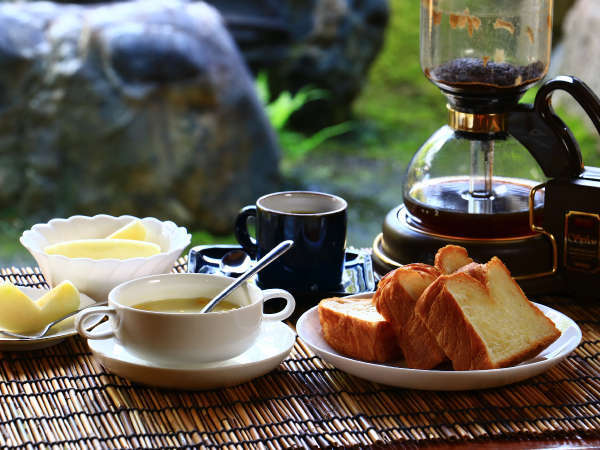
<point>58,332</point>
<point>274,343</point>
<point>396,374</point>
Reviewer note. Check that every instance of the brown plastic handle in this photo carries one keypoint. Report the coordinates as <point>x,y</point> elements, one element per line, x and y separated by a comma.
<point>545,135</point>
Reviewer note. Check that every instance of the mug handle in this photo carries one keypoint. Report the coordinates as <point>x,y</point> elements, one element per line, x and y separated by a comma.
<point>287,311</point>
<point>94,311</point>
<point>240,230</point>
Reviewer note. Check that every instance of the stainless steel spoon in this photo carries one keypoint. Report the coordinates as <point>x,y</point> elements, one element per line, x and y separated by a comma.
<point>44,331</point>
<point>235,262</point>
<point>279,250</point>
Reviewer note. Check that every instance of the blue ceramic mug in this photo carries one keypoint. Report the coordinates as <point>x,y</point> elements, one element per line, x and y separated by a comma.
<point>315,221</point>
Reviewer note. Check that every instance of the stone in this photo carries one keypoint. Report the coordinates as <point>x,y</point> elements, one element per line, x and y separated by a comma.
<point>145,108</point>
<point>328,45</point>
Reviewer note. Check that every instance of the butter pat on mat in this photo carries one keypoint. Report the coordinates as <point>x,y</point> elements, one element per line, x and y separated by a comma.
<point>103,249</point>
<point>134,230</point>
<point>21,314</point>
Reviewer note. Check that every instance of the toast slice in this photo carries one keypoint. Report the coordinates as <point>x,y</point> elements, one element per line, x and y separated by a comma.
<point>395,299</point>
<point>450,258</point>
<point>353,327</point>
<point>482,319</point>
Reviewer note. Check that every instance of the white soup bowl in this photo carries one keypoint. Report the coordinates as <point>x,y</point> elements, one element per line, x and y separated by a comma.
<point>175,338</point>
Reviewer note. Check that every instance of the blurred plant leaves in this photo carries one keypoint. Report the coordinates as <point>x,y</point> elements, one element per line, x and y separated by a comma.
<point>279,110</point>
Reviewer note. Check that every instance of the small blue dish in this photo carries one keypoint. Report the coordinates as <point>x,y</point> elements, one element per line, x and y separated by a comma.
<point>358,275</point>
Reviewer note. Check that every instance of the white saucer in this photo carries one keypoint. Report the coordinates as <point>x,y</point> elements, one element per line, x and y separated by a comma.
<point>396,374</point>
<point>58,332</point>
<point>273,344</point>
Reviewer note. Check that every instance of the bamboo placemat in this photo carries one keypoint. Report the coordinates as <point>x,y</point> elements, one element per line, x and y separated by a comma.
<point>62,397</point>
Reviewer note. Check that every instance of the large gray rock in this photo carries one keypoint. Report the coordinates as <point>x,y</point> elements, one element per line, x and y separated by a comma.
<point>138,107</point>
<point>333,45</point>
<point>326,44</point>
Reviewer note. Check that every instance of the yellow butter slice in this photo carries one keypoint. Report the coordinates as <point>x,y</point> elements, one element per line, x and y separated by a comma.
<point>103,249</point>
<point>134,230</point>
<point>21,314</point>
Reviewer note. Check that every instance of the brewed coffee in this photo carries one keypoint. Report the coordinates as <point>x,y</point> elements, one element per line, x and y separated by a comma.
<point>445,206</point>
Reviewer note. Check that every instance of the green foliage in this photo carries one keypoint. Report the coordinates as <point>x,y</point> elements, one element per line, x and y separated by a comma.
<point>11,250</point>
<point>202,237</point>
<point>279,110</point>
<point>398,105</point>
<point>399,59</point>
<point>298,144</point>
<point>585,136</point>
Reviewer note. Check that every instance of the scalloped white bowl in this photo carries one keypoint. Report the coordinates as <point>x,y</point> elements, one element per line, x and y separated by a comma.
<point>96,277</point>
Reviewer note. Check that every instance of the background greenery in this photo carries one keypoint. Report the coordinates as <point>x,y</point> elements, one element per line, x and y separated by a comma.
<point>399,108</point>
<point>396,112</point>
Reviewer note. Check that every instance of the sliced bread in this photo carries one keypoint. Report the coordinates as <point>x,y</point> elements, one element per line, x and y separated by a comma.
<point>395,299</point>
<point>353,327</point>
<point>450,258</point>
<point>482,319</point>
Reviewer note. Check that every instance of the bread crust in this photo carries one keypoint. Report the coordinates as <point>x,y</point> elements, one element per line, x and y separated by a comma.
<point>358,337</point>
<point>453,332</point>
<point>450,258</point>
<point>417,309</point>
<point>476,270</point>
<point>535,347</point>
<point>395,299</point>
<point>445,319</point>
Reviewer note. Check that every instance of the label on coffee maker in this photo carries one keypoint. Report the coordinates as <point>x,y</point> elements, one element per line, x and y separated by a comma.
<point>582,233</point>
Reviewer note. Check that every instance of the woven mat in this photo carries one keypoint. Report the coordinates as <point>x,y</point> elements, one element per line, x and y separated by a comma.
<point>61,396</point>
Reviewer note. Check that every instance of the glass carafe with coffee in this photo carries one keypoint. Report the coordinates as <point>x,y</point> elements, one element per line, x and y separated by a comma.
<point>473,183</point>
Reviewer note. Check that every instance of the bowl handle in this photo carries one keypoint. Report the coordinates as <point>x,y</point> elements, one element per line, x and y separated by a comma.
<point>95,311</point>
<point>287,311</point>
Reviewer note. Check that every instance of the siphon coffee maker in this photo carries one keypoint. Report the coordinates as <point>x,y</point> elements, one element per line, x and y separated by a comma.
<point>498,179</point>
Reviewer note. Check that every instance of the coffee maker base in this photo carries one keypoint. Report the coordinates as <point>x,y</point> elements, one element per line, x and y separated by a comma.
<point>529,258</point>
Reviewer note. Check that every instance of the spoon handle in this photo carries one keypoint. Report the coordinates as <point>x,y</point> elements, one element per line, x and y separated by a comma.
<point>277,251</point>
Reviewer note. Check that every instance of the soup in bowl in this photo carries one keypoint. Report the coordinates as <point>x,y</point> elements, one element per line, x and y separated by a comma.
<point>158,317</point>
